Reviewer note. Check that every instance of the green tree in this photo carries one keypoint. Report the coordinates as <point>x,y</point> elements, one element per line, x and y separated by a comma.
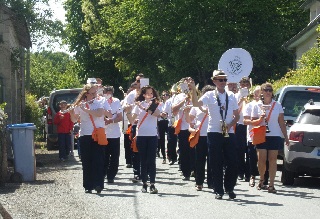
<point>167,40</point>
<point>53,71</point>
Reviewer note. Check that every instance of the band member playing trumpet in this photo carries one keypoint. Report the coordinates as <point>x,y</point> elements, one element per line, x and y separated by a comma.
<point>146,133</point>
<point>179,108</point>
<point>198,120</point>
<point>92,154</point>
<point>222,106</point>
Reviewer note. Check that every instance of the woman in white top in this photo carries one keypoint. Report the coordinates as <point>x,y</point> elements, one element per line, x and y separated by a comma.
<point>252,152</point>
<point>195,117</point>
<point>92,154</point>
<point>146,133</point>
<point>270,113</point>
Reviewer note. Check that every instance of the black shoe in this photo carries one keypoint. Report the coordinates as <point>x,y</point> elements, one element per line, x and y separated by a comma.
<point>144,188</point>
<point>98,189</point>
<point>231,195</point>
<point>129,166</point>
<point>240,177</point>
<point>218,196</point>
<point>247,179</point>
<point>158,154</point>
<point>193,174</point>
<point>136,179</point>
<point>186,178</point>
<point>110,180</point>
<point>172,162</point>
<point>153,190</point>
<point>88,191</point>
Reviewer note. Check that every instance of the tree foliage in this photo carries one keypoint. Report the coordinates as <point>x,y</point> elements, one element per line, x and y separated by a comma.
<point>53,71</point>
<point>168,39</point>
<point>39,18</point>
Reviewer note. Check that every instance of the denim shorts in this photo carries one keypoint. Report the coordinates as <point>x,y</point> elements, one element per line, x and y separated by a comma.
<point>272,143</point>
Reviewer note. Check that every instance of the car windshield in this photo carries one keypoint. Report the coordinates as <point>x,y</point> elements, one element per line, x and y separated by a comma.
<point>294,101</point>
<point>311,117</point>
<point>69,97</point>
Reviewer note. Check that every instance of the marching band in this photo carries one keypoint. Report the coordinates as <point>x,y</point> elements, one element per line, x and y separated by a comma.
<point>211,129</point>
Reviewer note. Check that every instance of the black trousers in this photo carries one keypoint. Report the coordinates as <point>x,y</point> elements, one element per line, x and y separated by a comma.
<point>172,144</point>
<point>162,129</point>
<point>112,154</point>
<point>201,159</point>
<point>127,149</point>
<point>93,159</point>
<point>185,153</point>
<point>242,151</point>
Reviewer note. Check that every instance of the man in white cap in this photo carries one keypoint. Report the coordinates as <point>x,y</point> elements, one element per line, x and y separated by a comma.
<point>223,115</point>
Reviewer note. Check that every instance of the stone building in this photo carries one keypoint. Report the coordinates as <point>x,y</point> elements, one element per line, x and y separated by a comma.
<point>14,40</point>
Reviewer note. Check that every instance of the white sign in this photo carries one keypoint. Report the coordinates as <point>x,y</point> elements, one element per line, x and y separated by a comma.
<point>144,82</point>
<point>236,63</point>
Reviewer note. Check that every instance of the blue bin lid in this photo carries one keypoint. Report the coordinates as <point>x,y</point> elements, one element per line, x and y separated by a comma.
<point>20,125</point>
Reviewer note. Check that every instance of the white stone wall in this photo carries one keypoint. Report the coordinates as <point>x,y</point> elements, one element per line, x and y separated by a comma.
<point>305,46</point>
<point>11,80</point>
<point>314,10</point>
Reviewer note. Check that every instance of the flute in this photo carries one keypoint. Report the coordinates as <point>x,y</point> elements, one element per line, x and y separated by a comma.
<point>74,106</point>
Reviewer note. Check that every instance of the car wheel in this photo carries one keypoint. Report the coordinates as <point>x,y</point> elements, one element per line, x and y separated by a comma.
<point>287,177</point>
<point>50,145</point>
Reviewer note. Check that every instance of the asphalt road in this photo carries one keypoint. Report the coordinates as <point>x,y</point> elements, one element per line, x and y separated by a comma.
<point>58,193</point>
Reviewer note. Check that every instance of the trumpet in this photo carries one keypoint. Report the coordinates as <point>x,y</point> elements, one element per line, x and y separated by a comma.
<point>74,106</point>
<point>224,128</point>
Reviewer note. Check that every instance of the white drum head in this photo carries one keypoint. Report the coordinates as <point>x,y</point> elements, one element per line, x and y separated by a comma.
<point>236,63</point>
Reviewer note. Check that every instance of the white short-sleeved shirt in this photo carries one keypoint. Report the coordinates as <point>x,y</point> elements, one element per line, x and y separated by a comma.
<point>113,129</point>
<point>199,115</point>
<point>86,125</point>
<point>161,107</point>
<point>130,98</point>
<point>273,123</point>
<point>210,99</point>
<point>149,125</point>
<point>242,107</point>
<point>178,99</point>
<point>106,105</point>
<point>247,112</point>
<point>168,109</point>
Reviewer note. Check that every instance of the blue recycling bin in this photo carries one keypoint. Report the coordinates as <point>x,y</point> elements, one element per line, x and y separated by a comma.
<point>23,150</point>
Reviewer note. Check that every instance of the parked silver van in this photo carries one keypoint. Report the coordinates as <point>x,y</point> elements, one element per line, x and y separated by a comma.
<point>55,97</point>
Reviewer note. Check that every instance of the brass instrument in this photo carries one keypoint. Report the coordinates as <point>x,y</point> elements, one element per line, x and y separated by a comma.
<point>264,108</point>
<point>224,128</point>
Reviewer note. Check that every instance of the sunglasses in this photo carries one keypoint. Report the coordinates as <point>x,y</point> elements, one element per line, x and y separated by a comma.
<point>222,80</point>
<point>165,95</point>
<point>268,90</point>
<point>138,81</point>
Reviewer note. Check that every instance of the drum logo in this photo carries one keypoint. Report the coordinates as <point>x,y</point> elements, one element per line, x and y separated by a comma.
<point>235,66</point>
